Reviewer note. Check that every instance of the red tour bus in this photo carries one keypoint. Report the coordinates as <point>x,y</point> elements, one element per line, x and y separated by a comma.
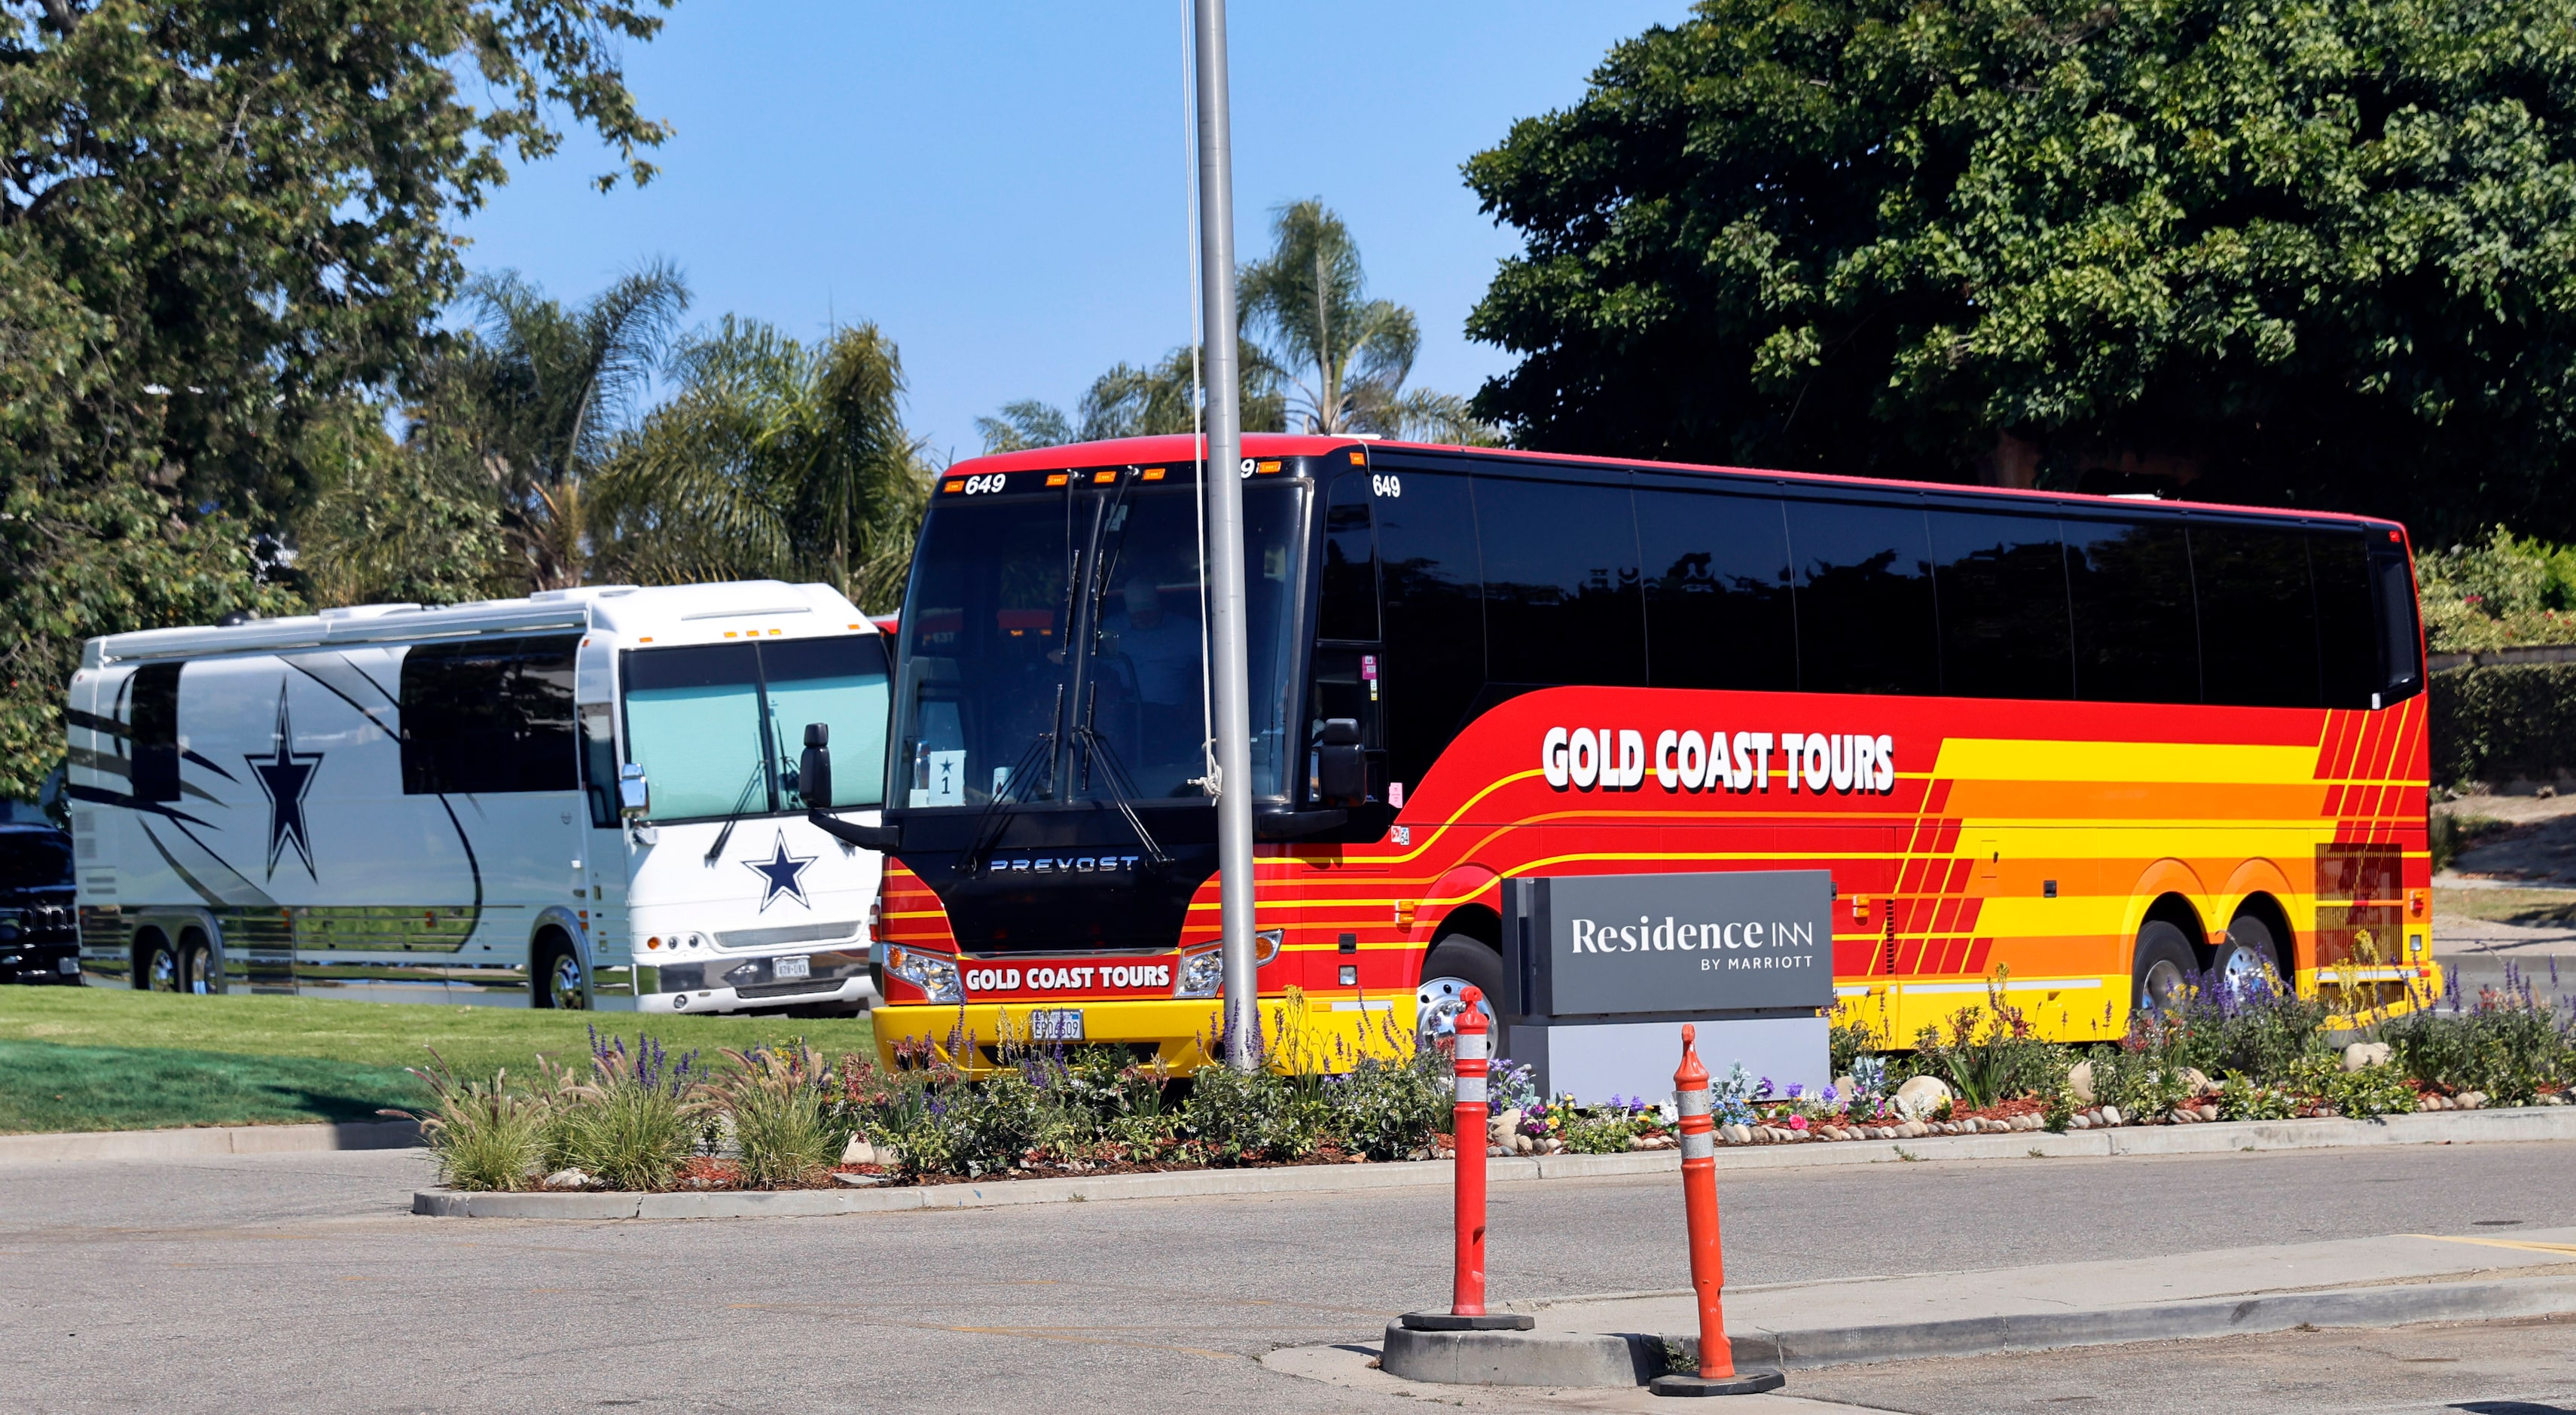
<point>2074,747</point>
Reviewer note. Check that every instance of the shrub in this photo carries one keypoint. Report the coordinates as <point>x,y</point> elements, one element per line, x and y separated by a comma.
<point>2450,834</point>
<point>2257,1028</point>
<point>1992,1054</point>
<point>778,1102</point>
<point>1598,1133</point>
<point>633,1123</point>
<point>1391,1109</point>
<point>482,1134</point>
<point>2498,721</point>
<point>1254,1115</point>
<point>2506,1046</point>
<point>2365,1094</point>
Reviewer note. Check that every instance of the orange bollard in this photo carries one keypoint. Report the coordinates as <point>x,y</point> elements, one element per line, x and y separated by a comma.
<point>1717,1373</point>
<point>1468,1121</point>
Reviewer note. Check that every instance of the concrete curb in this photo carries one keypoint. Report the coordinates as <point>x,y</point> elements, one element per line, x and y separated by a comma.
<point>2438,1128</point>
<point>208,1140</point>
<point>1620,1359</point>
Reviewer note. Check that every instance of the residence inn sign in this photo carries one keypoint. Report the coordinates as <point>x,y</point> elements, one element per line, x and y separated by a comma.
<point>1695,943</point>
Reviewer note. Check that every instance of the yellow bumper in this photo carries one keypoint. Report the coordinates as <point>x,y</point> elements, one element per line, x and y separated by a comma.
<point>1303,1034</point>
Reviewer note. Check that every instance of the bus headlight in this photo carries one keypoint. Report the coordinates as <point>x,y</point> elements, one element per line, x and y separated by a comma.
<point>1203,972</point>
<point>934,975</point>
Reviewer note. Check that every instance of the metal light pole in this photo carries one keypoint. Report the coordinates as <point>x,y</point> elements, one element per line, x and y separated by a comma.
<point>1224,487</point>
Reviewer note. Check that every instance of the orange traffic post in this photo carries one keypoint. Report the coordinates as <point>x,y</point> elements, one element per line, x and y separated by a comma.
<point>1717,1373</point>
<point>1471,1063</point>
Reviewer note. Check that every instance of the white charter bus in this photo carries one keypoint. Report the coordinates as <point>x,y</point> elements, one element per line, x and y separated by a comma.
<point>587,798</point>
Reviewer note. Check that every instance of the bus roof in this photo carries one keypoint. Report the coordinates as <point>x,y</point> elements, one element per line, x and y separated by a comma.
<point>676,612</point>
<point>1183,447</point>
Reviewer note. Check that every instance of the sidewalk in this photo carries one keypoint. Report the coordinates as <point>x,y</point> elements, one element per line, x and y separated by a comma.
<point>1592,1351</point>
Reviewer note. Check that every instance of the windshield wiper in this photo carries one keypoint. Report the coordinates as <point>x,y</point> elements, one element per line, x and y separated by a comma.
<point>741,808</point>
<point>1036,763</point>
<point>1113,774</point>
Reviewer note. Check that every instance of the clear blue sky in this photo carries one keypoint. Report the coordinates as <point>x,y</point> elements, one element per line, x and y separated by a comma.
<point>1002,187</point>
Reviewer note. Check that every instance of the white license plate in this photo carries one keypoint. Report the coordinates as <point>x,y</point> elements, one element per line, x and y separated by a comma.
<point>799,966</point>
<point>69,965</point>
<point>1055,1024</point>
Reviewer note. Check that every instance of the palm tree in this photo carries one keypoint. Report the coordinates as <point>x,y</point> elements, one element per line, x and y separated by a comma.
<point>1129,401</point>
<point>1345,355</point>
<point>535,398</point>
<point>773,459</point>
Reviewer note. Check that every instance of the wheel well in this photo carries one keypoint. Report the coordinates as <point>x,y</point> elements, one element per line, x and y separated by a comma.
<point>1476,922</point>
<point>2177,911</point>
<point>548,939</point>
<point>2277,919</point>
<point>191,935</point>
<point>140,951</point>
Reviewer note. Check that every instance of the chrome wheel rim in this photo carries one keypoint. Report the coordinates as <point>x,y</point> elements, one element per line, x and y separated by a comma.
<point>1437,1005</point>
<point>163,970</point>
<point>564,984</point>
<point>2162,989</point>
<point>2240,965</point>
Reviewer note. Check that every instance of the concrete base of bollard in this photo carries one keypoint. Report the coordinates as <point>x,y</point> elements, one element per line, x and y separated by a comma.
<point>1741,1383</point>
<point>1451,1321</point>
<point>1513,1358</point>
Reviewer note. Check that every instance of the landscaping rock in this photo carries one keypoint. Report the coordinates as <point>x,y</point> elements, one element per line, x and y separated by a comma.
<point>859,1151</point>
<point>1846,1087</point>
<point>1921,1096</point>
<point>567,1179</point>
<point>2361,1054</point>
<point>2079,1083</point>
<point>2200,1085</point>
<point>1506,1127</point>
<point>2080,1122</point>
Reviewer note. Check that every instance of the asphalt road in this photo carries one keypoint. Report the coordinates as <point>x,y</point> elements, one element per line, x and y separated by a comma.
<point>268,1282</point>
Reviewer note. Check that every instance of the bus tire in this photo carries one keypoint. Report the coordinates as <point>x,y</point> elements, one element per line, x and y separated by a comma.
<point>199,972</point>
<point>558,980</point>
<point>2163,970</point>
<point>1454,964</point>
<point>156,964</point>
<point>2248,952</point>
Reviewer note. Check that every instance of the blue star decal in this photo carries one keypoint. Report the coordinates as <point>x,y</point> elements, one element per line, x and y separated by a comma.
<point>784,874</point>
<point>286,775</point>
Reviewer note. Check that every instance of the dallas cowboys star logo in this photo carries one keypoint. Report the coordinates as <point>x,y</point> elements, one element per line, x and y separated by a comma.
<point>286,775</point>
<point>782,872</point>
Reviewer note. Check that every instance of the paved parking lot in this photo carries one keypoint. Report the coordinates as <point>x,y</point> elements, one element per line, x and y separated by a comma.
<point>261,1282</point>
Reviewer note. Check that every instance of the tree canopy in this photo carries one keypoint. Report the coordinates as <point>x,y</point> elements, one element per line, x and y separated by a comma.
<point>2314,253</point>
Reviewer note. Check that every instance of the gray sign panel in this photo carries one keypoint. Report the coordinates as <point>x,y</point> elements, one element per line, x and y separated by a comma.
<point>1711,942</point>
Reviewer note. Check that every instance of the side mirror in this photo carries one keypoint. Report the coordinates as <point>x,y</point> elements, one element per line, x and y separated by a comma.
<point>1341,767</point>
<point>814,767</point>
<point>634,795</point>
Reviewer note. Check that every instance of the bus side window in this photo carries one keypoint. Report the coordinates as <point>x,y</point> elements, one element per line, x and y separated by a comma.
<point>2401,640</point>
<point>2137,637</point>
<point>2002,587</point>
<point>1717,591</point>
<point>155,724</point>
<point>599,763</point>
<point>489,716</point>
<point>2347,627</point>
<point>1563,602</point>
<point>1865,614</point>
<point>2258,617</point>
<point>1348,611</point>
<point>1435,637</point>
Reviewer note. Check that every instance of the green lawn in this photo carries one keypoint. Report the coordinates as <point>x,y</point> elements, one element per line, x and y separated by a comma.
<point>111,1059</point>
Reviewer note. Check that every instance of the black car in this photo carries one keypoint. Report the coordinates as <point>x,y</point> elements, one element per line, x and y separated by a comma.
<point>39,927</point>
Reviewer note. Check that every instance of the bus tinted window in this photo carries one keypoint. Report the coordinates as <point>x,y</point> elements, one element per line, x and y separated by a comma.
<point>2137,636</point>
<point>489,717</point>
<point>2401,648</point>
<point>2002,588</point>
<point>155,722</point>
<point>2347,627</point>
<point>1865,621</point>
<point>841,683</point>
<point>2258,626</point>
<point>1718,613</point>
<point>1349,605</point>
<point>1435,633</point>
<point>1562,601</point>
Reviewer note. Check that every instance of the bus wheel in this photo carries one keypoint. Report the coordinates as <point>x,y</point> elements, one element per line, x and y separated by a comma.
<point>160,969</point>
<point>2247,954</point>
<point>1454,964</point>
<point>199,972</point>
<point>560,981</point>
<point>2162,973</point>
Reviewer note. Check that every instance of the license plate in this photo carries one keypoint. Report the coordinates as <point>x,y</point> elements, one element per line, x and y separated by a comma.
<point>69,965</point>
<point>799,966</point>
<point>1055,1024</point>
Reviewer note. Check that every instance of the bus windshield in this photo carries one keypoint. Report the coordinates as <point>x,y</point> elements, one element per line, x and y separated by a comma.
<point>1084,696</point>
<point>714,725</point>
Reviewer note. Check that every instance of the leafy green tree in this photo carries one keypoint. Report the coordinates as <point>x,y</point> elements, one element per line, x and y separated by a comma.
<point>1128,401</point>
<point>2310,253</point>
<point>221,226</point>
<point>774,459</point>
<point>403,524</point>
